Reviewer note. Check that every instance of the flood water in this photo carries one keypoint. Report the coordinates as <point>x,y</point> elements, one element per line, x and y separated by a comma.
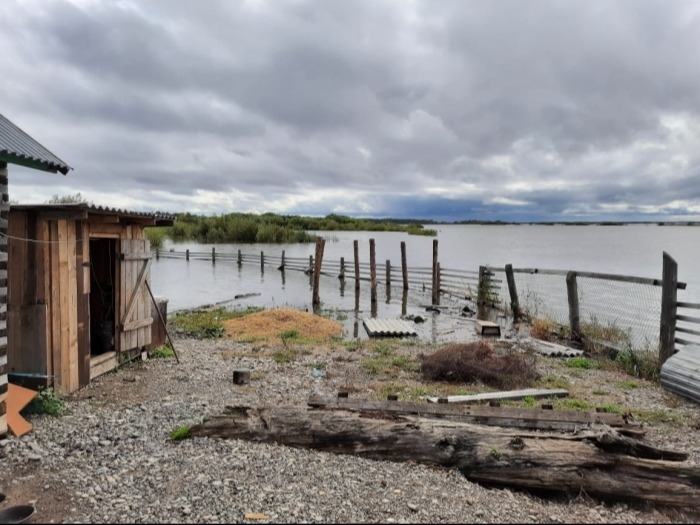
<point>634,250</point>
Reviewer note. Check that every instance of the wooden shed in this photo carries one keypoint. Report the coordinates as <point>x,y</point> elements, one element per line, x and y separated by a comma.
<point>16,147</point>
<point>79,303</point>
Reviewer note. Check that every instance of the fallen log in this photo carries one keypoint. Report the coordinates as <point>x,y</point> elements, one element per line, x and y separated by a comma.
<point>595,462</point>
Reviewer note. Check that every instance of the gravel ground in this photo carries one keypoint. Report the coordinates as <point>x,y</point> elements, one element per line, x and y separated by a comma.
<point>110,460</point>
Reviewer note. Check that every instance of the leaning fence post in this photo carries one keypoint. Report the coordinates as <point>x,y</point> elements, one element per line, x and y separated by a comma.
<point>514,305</point>
<point>435,272</point>
<point>669,296</point>
<point>404,269</point>
<point>372,273</point>
<point>320,243</point>
<point>572,294</point>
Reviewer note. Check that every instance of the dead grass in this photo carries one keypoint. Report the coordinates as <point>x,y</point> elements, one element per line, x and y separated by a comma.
<point>477,362</point>
<point>275,325</point>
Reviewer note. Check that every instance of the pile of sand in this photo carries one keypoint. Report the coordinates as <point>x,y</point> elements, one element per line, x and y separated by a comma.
<point>269,324</point>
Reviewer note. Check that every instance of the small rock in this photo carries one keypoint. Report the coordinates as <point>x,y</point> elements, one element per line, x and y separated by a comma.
<point>34,457</point>
<point>413,507</point>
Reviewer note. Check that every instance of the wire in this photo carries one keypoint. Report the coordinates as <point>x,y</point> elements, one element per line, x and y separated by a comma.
<point>25,239</point>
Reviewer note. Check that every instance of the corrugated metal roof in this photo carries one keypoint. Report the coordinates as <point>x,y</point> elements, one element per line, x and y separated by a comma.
<point>681,373</point>
<point>17,147</point>
<point>388,327</point>
<point>96,210</point>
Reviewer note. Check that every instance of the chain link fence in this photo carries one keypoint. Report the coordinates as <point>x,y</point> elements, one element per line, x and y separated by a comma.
<point>617,313</point>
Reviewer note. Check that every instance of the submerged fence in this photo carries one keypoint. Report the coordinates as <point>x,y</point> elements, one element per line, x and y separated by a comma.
<point>617,311</point>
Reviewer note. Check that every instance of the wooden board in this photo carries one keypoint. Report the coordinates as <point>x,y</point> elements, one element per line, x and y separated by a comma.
<point>509,394</point>
<point>17,398</point>
<point>531,418</point>
<point>487,328</point>
<point>102,364</point>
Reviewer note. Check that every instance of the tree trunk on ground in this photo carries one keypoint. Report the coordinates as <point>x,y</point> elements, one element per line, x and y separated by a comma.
<point>595,461</point>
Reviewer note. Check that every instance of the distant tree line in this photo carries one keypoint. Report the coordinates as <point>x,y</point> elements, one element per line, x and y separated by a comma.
<point>270,228</point>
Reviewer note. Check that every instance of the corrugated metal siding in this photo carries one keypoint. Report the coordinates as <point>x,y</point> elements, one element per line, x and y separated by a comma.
<point>16,143</point>
<point>681,373</point>
<point>94,209</point>
<point>388,327</point>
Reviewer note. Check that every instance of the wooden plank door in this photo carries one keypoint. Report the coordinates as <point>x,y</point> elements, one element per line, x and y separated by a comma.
<point>134,319</point>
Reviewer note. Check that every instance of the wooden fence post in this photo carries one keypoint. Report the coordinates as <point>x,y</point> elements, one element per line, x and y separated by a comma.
<point>187,255</point>
<point>281,268</point>
<point>372,273</point>
<point>514,304</point>
<point>437,284</point>
<point>669,297</point>
<point>388,273</point>
<point>213,255</point>
<point>436,292</point>
<point>4,368</point>
<point>157,253</point>
<point>342,269</point>
<point>483,287</point>
<point>262,261</point>
<point>356,252</point>
<point>574,317</point>
<point>239,261</point>
<point>404,268</point>
<point>320,243</point>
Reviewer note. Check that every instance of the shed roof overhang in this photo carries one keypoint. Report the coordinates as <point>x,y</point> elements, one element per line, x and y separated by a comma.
<point>92,213</point>
<point>17,147</point>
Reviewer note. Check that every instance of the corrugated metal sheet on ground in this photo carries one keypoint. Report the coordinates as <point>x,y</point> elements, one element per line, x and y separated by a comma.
<point>553,349</point>
<point>680,373</point>
<point>388,327</point>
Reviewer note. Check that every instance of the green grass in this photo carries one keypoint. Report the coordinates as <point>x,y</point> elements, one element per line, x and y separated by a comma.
<point>529,402</point>
<point>283,356</point>
<point>642,364</point>
<point>612,408</point>
<point>579,362</point>
<point>47,401</point>
<point>205,324</point>
<point>162,352</point>
<point>575,404</point>
<point>600,392</point>
<point>629,385</point>
<point>657,416</point>
<point>180,433</point>
<point>554,382</point>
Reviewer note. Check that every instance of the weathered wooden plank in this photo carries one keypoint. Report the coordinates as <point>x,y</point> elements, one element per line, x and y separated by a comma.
<point>83,306</point>
<point>137,325</point>
<point>73,306</point>
<point>102,364</point>
<point>509,394</point>
<point>533,418</point>
<point>55,306</point>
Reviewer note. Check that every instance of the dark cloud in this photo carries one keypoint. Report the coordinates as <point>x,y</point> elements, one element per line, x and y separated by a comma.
<point>543,110</point>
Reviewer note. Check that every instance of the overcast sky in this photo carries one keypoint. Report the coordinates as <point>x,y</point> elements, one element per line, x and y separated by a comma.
<point>450,110</point>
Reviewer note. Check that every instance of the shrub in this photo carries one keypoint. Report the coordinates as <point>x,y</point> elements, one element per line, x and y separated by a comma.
<point>162,352</point>
<point>639,364</point>
<point>47,402</point>
<point>579,362</point>
<point>542,329</point>
<point>463,363</point>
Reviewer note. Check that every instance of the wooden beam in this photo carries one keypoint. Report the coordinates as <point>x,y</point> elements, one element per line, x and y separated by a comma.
<point>597,461</point>
<point>501,396</point>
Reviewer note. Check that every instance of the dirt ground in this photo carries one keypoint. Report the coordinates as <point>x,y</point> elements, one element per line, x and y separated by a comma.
<point>670,421</point>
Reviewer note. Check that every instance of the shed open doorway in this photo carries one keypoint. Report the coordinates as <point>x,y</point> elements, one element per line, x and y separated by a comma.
<point>103,272</point>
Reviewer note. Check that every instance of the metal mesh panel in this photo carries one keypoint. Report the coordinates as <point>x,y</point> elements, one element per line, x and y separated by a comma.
<point>626,314</point>
<point>622,313</point>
